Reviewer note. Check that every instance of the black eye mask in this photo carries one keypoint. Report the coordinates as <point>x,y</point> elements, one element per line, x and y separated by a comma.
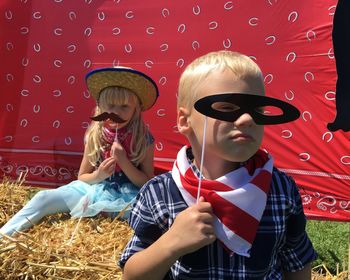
<point>105,116</point>
<point>230,106</point>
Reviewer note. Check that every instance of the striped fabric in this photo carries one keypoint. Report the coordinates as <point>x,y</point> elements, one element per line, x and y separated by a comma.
<point>238,198</point>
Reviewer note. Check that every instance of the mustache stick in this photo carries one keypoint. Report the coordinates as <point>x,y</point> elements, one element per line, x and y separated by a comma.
<point>202,159</point>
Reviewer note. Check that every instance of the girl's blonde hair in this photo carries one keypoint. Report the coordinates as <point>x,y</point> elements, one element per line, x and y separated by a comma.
<point>196,72</point>
<point>95,144</point>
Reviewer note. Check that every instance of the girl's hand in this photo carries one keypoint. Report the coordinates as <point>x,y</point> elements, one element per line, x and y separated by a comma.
<point>106,168</point>
<point>192,229</point>
<point>118,152</point>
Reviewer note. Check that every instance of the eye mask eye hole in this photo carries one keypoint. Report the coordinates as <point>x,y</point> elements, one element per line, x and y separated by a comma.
<point>225,107</point>
<point>269,111</point>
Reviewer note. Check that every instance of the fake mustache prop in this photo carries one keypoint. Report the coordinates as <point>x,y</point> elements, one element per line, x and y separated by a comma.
<point>230,106</point>
<point>105,116</point>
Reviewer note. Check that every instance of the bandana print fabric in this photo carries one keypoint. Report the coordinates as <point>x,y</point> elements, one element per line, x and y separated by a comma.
<point>124,138</point>
<point>238,198</point>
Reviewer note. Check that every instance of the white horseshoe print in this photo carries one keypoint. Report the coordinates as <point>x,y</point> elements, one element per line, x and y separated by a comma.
<point>71,80</point>
<point>35,139</point>
<point>195,45</point>
<point>72,15</point>
<point>164,47</point>
<point>227,43</point>
<point>116,31</point>
<point>9,77</point>
<point>180,62</point>
<point>57,63</point>
<point>309,76</point>
<point>228,5</point>
<point>129,14</point>
<point>37,15</point>
<point>87,63</point>
<point>328,135</point>
<point>270,40</point>
<point>9,46</point>
<point>25,92</point>
<point>72,48</point>
<point>23,123</point>
<point>286,134</point>
<point>8,138</point>
<point>68,141</point>
<point>24,30</point>
<point>9,107</point>
<point>268,78</point>
<point>101,16</point>
<point>115,63</point>
<point>196,10</point>
<point>291,57</point>
<point>181,28</point>
<point>213,25</point>
<point>253,21</point>
<point>161,113</point>
<point>162,81</point>
<point>149,63</point>
<point>345,160</point>
<point>289,95</point>
<point>128,48</point>
<point>56,124</point>
<point>330,95</point>
<point>293,16</point>
<point>159,146</point>
<point>86,94</point>
<point>84,125</point>
<point>331,10</point>
<point>304,156</point>
<point>8,15</point>
<point>310,35</point>
<point>165,12</point>
<point>58,31</point>
<point>150,30</point>
<point>37,47</point>
<point>25,61</point>
<point>100,48</point>
<point>330,53</point>
<point>37,79</point>
<point>36,109</point>
<point>87,31</point>
<point>305,114</point>
<point>57,92</point>
<point>70,109</point>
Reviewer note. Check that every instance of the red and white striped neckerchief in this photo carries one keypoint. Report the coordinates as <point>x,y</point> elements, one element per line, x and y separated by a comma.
<point>238,198</point>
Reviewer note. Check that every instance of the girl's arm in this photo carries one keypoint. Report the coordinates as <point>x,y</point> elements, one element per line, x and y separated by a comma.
<point>90,175</point>
<point>138,176</point>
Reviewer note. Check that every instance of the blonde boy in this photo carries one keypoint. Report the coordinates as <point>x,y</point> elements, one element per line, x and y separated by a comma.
<point>248,222</point>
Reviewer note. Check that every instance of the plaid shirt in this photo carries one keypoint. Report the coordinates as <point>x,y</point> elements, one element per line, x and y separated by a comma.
<point>281,243</point>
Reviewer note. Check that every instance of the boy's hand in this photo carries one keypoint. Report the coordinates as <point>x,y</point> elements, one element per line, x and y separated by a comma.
<point>106,168</point>
<point>193,228</point>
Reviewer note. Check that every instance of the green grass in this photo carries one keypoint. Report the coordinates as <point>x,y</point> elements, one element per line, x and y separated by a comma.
<point>331,241</point>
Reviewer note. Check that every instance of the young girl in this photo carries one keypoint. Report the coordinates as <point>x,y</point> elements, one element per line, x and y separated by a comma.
<point>118,155</point>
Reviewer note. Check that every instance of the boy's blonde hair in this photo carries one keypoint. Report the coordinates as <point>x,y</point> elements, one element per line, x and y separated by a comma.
<point>196,72</point>
<point>93,136</point>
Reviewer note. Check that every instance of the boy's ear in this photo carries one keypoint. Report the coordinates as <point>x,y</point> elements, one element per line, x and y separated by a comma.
<point>183,121</point>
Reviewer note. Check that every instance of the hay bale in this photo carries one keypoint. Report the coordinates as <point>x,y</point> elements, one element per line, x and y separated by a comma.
<point>47,251</point>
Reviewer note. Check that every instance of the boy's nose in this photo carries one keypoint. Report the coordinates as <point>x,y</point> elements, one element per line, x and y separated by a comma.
<point>244,120</point>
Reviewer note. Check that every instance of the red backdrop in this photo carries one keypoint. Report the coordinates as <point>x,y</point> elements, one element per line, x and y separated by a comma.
<point>47,47</point>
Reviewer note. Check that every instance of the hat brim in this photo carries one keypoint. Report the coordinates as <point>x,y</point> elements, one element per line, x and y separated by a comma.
<point>139,83</point>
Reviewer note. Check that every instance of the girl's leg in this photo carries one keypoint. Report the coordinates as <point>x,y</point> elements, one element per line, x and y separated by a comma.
<point>44,203</point>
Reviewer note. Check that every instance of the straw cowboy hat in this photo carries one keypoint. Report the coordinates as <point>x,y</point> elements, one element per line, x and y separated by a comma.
<point>139,83</point>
